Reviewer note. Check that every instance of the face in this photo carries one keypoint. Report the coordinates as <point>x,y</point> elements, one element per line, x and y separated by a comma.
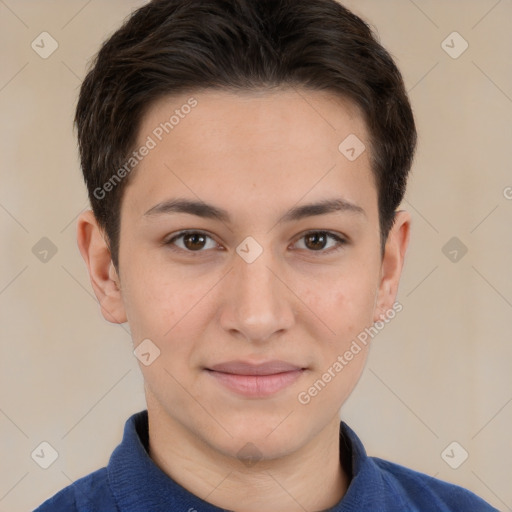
<point>250,256</point>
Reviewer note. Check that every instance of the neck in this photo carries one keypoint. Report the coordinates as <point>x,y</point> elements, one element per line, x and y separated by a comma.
<point>310,478</point>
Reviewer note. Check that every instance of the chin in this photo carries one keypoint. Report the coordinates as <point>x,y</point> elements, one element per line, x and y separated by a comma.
<point>258,436</point>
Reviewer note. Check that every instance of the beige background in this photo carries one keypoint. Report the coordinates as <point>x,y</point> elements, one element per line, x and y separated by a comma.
<point>440,372</point>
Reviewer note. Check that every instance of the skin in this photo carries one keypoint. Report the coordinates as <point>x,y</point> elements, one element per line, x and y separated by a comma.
<point>256,155</point>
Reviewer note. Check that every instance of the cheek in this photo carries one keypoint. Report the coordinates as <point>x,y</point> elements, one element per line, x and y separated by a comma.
<point>344,303</point>
<point>158,301</point>
<point>347,309</point>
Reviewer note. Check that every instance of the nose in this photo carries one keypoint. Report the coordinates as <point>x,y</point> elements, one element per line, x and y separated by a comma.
<point>256,304</point>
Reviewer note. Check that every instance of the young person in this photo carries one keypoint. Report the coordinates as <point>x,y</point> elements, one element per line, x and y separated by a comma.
<point>245,160</point>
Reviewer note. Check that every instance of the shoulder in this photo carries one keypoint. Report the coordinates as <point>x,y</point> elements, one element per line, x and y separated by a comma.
<point>421,490</point>
<point>88,494</point>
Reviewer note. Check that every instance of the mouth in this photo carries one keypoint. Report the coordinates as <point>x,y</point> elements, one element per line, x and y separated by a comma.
<point>256,380</point>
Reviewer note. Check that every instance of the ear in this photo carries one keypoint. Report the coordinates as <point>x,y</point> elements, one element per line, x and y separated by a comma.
<point>103,275</point>
<point>392,264</point>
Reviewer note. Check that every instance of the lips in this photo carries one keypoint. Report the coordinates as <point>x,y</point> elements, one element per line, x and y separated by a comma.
<point>244,368</point>
<point>255,380</point>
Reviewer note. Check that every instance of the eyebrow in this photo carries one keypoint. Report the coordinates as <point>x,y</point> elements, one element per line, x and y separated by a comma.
<point>208,211</point>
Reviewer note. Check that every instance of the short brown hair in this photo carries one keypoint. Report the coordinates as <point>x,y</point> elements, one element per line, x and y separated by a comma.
<point>173,46</point>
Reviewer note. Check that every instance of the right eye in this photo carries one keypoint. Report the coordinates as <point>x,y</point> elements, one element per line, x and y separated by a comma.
<point>191,241</point>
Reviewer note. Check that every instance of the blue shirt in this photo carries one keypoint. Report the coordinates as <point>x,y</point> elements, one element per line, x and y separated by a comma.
<point>132,482</point>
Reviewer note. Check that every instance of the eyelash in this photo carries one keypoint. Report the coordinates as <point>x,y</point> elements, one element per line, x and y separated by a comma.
<point>340,242</point>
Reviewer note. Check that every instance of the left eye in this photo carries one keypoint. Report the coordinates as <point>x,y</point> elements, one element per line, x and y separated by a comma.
<point>318,241</point>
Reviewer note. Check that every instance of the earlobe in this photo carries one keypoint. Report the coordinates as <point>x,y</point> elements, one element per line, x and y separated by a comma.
<point>102,273</point>
<point>392,264</point>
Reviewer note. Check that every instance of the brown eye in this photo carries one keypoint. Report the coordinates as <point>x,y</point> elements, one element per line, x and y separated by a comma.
<point>315,241</point>
<point>192,241</point>
<point>321,241</point>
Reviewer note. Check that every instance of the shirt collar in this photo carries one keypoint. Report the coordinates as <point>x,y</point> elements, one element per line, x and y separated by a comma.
<point>137,483</point>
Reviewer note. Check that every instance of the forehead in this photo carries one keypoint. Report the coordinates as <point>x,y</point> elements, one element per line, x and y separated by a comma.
<point>279,142</point>
<point>256,116</point>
